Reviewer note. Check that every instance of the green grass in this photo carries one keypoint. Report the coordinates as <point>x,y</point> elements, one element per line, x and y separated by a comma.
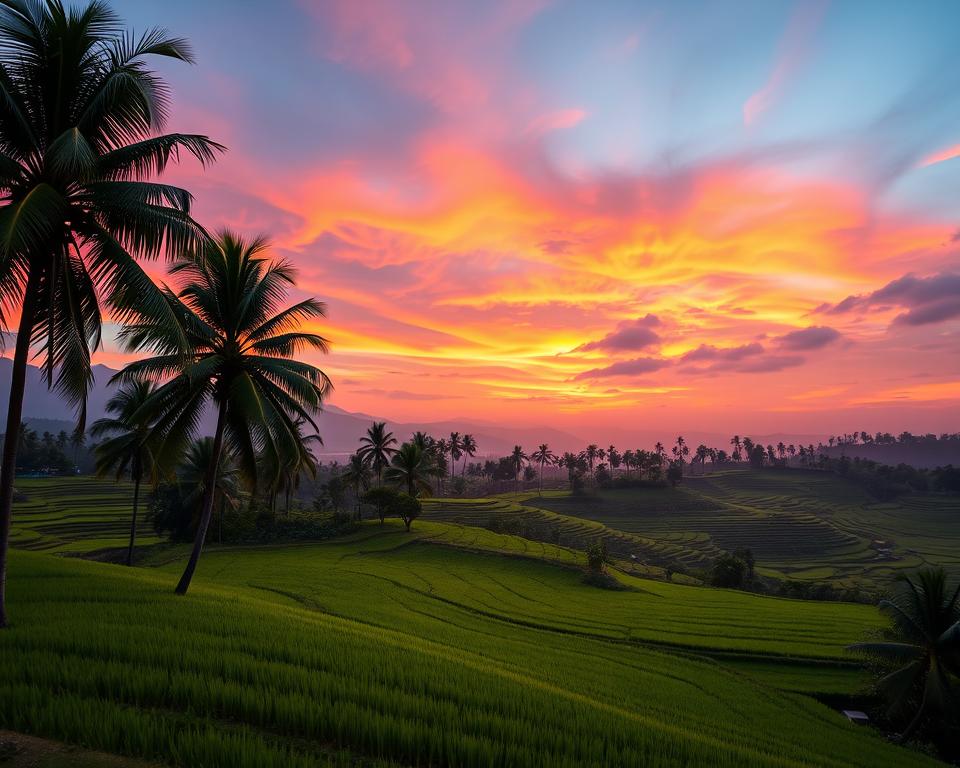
<point>809,526</point>
<point>243,673</point>
<point>451,645</point>
<point>74,514</point>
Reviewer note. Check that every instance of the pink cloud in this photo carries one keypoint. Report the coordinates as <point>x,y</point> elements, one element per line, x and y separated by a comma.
<point>793,52</point>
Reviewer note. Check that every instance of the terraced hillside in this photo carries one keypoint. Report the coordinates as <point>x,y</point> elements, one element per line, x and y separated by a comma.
<point>802,525</point>
<point>430,648</point>
<point>74,514</point>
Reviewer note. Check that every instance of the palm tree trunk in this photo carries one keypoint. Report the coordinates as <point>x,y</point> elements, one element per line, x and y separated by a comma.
<point>540,487</point>
<point>133,517</point>
<point>207,512</point>
<point>11,440</point>
<point>223,502</point>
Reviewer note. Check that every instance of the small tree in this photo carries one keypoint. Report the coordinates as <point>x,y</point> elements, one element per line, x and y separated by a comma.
<point>746,554</point>
<point>406,507</point>
<point>380,497</point>
<point>597,557</point>
<point>675,473</point>
<point>728,571</point>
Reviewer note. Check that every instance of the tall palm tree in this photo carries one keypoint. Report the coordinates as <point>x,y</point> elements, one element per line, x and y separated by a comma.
<point>591,454</point>
<point>376,448</point>
<point>737,445</point>
<point>922,648</point>
<point>80,127</point>
<point>357,476</point>
<point>517,458</point>
<point>192,474</point>
<point>410,467</point>
<point>127,449</point>
<point>543,455</point>
<point>469,447</point>
<point>241,353</point>
<point>455,447</point>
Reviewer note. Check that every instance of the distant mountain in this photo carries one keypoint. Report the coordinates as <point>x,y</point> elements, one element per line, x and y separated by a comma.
<point>341,430</point>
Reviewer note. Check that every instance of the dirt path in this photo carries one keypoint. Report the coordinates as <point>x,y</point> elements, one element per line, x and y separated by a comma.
<point>17,750</point>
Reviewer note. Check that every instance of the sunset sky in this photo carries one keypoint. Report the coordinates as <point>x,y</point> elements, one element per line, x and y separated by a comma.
<point>725,216</point>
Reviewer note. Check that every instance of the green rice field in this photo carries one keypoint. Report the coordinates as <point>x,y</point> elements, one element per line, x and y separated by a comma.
<point>452,645</point>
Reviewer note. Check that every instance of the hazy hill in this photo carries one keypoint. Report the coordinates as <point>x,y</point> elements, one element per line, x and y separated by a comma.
<point>341,430</point>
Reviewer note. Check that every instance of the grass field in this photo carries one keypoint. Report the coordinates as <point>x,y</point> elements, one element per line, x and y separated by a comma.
<point>452,645</point>
<point>800,525</point>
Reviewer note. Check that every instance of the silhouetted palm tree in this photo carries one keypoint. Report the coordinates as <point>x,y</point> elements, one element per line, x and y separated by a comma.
<point>193,472</point>
<point>922,647</point>
<point>241,353</point>
<point>469,447</point>
<point>357,476</point>
<point>127,449</point>
<point>737,446</point>
<point>376,448</point>
<point>543,455</point>
<point>591,454</point>
<point>410,467</point>
<point>79,124</point>
<point>517,458</point>
<point>455,447</point>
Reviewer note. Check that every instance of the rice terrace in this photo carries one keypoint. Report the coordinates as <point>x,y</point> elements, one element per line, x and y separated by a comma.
<point>494,384</point>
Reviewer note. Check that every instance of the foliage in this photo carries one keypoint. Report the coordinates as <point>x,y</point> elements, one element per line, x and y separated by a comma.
<point>728,571</point>
<point>42,453</point>
<point>675,473</point>
<point>597,557</point>
<point>919,657</point>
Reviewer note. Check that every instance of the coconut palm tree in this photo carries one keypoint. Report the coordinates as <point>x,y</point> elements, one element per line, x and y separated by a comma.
<point>517,458</point>
<point>455,447</point>
<point>410,467</point>
<point>192,474</point>
<point>80,137</point>
<point>376,448</point>
<point>357,476</point>
<point>127,449</point>
<point>543,455</point>
<point>469,447</point>
<point>240,354</point>
<point>737,446</point>
<point>591,454</point>
<point>921,651</point>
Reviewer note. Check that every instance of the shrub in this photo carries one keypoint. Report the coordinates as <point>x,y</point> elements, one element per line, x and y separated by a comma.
<point>728,571</point>
<point>597,557</point>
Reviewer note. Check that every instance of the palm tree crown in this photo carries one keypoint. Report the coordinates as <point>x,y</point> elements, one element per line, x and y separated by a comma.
<point>128,448</point>
<point>410,467</point>
<point>922,647</point>
<point>239,353</point>
<point>80,137</point>
<point>376,447</point>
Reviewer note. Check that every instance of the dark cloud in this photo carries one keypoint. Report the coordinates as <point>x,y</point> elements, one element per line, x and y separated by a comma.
<point>926,300</point>
<point>633,367</point>
<point>746,358</point>
<point>630,336</point>
<point>710,353</point>
<point>814,337</point>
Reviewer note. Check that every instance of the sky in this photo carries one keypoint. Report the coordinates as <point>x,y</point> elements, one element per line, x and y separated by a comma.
<point>727,216</point>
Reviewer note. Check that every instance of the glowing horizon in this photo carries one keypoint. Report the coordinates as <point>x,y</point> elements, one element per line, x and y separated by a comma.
<point>620,214</point>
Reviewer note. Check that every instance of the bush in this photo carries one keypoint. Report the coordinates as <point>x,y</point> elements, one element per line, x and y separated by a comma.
<point>728,571</point>
<point>406,507</point>
<point>675,473</point>
<point>597,557</point>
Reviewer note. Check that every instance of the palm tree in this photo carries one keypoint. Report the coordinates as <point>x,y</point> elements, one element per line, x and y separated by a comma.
<point>518,458</point>
<point>469,447</point>
<point>357,476</point>
<point>80,136</point>
<point>455,447</point>
<point>737,445</point>
<point>240,353</point>
<point>410,467</point>
<point>591,454</point>
<point>376,448</point>
<point>192,474</point>
<point>78,440</point>
<point>127,448</point>
<point>543,455</point>
<point>922,647</point>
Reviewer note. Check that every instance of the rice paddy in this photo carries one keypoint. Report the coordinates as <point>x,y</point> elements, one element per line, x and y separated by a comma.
<point>449,645</point>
